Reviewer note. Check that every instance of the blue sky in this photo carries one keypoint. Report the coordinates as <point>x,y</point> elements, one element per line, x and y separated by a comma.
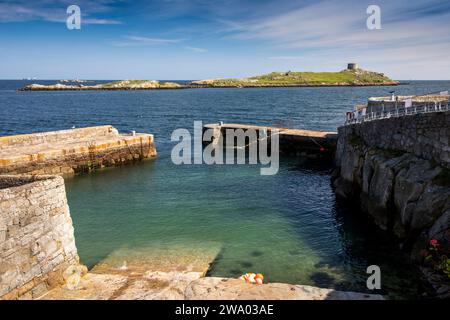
<point>197,39</point>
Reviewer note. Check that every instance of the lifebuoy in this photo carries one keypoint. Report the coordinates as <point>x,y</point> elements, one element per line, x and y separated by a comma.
<point>350,116</point>
<point>253,278</point>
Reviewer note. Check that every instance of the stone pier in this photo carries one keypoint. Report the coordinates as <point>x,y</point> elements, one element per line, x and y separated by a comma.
<point>292,142</point>
<point>72,151</point>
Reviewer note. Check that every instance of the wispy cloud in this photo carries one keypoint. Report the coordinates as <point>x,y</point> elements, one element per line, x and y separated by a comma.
<point>145,41</point>
<point>54,11</point>
<point>229,25</point>
<point>99,21</point>
<point>153,41</point>
<point>195,49</point>
<point>413,33</point>
<point>259,35</point>
<point>286,58</point>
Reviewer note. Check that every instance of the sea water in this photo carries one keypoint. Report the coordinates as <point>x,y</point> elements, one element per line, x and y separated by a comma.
<point>289,226</point>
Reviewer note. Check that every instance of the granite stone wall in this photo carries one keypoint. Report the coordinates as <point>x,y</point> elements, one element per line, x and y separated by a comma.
<point>425,135</point>
<point>397,171</point>
<point>83,161</point>
<point>68,152</point>
<point>37,244</point>
<point>55,136</point>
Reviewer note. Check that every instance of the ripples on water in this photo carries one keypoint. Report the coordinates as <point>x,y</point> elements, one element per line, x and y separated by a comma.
<point>288,226</point>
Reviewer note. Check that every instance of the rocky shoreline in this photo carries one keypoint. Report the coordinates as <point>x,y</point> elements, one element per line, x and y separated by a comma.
<point>286,85</point>
<point>345,78</point>
<point>175,285</point>
<point>61,87</point>
<point>146,276</point>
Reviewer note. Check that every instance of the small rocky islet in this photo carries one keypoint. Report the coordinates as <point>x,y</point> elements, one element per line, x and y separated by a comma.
<point>115,85</point>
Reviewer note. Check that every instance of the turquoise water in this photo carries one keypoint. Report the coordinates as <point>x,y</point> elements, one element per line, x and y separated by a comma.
<point>290,226</point>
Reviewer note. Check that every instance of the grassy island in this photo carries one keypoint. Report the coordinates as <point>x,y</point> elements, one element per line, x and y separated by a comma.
<point>357,77</point>
<point>348,77</point>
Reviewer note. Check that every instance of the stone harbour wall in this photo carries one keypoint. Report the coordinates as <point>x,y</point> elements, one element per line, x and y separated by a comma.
<point>397,171</point>
<point>37,244</point>
<point>68,152</point>
<point>425,135</point>
<point>55,136</point>
<point>86,159</point>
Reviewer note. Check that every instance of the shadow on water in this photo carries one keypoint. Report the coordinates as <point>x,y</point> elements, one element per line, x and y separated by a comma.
<point>90,197</point>
<point>216,260</point>
<point>304,164</point>
<point>111,213</point>
<point>256,253</point>
<point>358,241</point>
<point>323,279</point>
<point>364,244</point>
<point>233,272</point>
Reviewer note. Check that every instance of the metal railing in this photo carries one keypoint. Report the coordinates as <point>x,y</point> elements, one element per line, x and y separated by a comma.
<point>400,112</point>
